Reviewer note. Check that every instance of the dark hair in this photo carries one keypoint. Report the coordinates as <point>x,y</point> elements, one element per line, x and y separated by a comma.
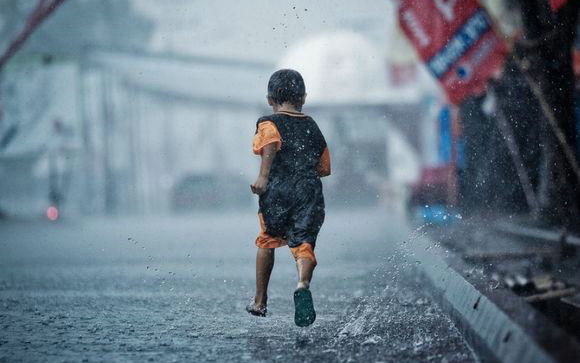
<point>286,85</point>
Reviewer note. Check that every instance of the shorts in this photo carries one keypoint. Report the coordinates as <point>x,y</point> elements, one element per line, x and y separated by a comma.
<point>291,213</point>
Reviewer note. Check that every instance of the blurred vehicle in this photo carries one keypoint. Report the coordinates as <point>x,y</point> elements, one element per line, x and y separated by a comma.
<point>434,195</point>
<point>432,186</point>
<point>210,192</point>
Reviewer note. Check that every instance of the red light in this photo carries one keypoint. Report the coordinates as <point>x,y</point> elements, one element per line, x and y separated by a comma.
<point>52,213</point>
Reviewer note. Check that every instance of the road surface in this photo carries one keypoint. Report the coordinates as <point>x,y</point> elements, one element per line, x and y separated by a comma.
<point>174,289</point>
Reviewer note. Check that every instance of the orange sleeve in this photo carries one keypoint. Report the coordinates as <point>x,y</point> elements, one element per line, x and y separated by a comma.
<point>267,134</point>
<point>324,163</point>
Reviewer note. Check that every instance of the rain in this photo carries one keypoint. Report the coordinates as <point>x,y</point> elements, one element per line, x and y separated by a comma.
<point>260,181</point>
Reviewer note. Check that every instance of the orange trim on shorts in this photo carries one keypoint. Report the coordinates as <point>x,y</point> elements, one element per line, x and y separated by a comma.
<point>303,251</point>
<point>264,240</point>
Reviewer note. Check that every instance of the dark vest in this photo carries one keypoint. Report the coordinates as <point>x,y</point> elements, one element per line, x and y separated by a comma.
<point>302,146</point>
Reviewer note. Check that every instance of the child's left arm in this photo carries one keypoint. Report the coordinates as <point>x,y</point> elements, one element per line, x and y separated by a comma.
<point>324,164</point>
<point>268,154</point>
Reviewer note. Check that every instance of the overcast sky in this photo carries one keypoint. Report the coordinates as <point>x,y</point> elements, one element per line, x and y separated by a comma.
<point>258,29</point>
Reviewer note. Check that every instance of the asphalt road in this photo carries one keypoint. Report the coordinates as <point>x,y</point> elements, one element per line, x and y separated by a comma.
<point>174,289</point>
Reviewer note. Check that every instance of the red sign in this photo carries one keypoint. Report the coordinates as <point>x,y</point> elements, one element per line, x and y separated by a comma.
<point>457,42</point>
<point>557,4</point>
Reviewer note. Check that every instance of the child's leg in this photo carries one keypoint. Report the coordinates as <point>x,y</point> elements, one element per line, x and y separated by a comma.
<point>305,264</point>
<point>264,265</point>
<point>305,269</point>
<point>304,313</point>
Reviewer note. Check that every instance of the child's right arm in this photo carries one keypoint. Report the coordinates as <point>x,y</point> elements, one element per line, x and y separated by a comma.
<point>268,154</point>
<point>267,142</point>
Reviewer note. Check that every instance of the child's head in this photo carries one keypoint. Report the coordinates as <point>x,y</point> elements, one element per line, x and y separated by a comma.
<point>286,86</point>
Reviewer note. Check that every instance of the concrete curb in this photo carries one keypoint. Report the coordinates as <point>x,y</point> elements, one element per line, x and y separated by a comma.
<point>511,335</point>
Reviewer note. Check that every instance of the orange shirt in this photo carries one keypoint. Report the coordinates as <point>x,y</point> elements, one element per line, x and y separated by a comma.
<point>267,134</point>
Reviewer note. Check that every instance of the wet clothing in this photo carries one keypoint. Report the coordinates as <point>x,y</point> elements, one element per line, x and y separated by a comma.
<point>292,207</point>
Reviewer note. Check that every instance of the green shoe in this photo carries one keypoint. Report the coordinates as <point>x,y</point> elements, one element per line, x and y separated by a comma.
<point>304,313</point>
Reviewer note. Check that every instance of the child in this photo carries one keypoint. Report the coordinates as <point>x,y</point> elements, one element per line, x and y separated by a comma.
<point>294,158</point>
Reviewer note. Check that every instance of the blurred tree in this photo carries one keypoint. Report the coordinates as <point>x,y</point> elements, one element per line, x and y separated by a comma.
<point>544,55</point>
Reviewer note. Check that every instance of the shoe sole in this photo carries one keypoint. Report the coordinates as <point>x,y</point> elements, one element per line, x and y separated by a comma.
<point>304,314</point>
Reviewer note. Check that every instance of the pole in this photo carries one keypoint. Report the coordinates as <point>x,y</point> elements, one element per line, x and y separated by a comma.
<point>551,118</point>
<point>508,136</point>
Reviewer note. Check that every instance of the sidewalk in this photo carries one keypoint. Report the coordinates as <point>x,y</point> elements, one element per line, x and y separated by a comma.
<point>513,290</point>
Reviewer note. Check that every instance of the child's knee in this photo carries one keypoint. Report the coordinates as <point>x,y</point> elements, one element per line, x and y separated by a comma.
<point>304,251</point>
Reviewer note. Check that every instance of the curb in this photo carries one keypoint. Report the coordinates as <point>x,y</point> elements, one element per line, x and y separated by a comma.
<point>499,325</point>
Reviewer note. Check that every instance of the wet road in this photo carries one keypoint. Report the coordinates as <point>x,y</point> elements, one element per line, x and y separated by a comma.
<point>174,289</point>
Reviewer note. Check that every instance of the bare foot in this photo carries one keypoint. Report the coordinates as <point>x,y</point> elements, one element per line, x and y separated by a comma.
<point>257,309</point>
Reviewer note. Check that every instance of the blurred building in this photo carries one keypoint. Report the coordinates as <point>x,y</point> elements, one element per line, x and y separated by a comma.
<point>121,119</point>
<point>164,119</point>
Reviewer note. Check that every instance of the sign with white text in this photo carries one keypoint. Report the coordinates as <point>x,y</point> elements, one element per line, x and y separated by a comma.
<point>457,42</point>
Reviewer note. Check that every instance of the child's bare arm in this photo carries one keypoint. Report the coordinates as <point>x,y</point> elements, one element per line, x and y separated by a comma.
<point>324,164</point>
<point>268,154</point>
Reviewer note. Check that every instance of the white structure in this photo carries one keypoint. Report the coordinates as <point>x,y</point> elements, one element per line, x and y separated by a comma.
<point>340,68</point>
<point>350,95</point>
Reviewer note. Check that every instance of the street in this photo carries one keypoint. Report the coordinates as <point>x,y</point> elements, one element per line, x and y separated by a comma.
<point>174,289</point>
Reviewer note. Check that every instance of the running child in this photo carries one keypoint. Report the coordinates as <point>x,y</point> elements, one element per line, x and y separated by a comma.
<point>294,158</point>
